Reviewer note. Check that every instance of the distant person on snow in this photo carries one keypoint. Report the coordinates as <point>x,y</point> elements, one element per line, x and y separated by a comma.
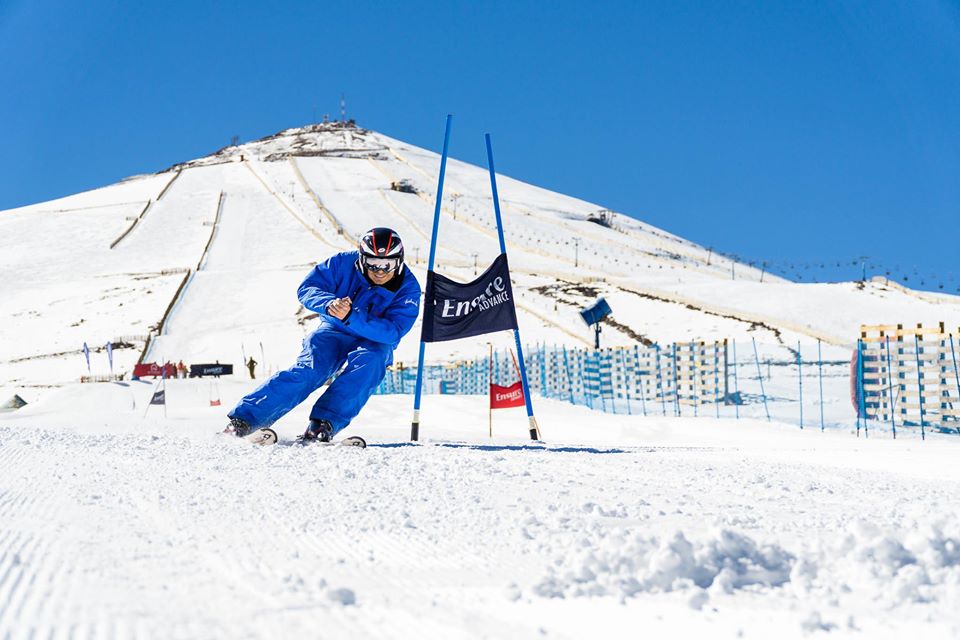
<point>367,301</point>
<point>251,365</point>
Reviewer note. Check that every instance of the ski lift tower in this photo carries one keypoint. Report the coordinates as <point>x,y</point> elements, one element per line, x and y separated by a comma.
<point>594,315</point>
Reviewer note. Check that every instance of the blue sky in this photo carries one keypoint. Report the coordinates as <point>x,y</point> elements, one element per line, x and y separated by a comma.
<point>797,133</point>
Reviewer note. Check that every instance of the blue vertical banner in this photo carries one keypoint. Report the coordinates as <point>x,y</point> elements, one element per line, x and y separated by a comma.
<point>110,356</point>
<point>86,354</point>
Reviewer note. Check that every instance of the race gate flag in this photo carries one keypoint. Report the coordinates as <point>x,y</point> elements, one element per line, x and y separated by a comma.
<point>86,354</point>
<point>506,397</point>
<point>453,310</point>
<point>159,397</point>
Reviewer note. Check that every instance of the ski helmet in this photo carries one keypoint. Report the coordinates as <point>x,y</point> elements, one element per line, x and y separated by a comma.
<point>381,250</point>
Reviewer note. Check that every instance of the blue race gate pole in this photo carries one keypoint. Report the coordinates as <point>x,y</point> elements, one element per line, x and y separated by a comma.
<point>415,425</point>
<point>534,429</point>
<point>760,378</point>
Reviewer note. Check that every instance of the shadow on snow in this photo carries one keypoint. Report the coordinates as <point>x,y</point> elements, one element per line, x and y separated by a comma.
<point>500,447</point>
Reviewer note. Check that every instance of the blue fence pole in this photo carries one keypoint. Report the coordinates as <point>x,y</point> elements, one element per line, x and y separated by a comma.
<point>716,377</point>
<point>861,405</point>
<point>595,369</point>
<point>626,382</point>
<point>583,361</point>
<point>820,377</point>
<point>543,370</point>
<point>763,393</point>
<point>800,377</point>
<point>601,359</point>
<point>660,384</point>
<point>956,373</point>
<point>736,382</point>
<point>566,367</point>
<point>893,417</point>
<point>555,385</point>
<point>916,342</point>
<point>636,364</point>
<point>694,355</point>
<point>676,385</point>
<point>415,425</point>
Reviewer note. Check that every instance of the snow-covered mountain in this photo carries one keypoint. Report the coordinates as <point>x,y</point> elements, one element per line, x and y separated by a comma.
<point>123,520</point>
<point>201,262</point>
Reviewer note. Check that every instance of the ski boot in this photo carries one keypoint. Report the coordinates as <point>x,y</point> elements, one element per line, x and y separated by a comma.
<point>317,431</point>
<point>238,427</point>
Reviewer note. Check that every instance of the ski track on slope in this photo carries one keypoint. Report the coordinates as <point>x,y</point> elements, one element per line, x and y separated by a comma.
<point>133,535</point>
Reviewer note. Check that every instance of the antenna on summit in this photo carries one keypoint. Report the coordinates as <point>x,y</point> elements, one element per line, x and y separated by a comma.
<point>343,108</point>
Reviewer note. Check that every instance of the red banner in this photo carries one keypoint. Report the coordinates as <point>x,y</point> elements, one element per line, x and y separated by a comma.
<point>153,369</point>
<point>506,397</point>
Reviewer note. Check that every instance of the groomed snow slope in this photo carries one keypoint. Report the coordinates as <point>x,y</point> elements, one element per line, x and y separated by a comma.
<point>113,525</point>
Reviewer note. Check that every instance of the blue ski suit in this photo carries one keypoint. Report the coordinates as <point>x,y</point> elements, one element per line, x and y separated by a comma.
<point>379,317</point>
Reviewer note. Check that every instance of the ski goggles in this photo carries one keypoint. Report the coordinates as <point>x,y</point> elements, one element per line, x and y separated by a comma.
<point>381,265</point>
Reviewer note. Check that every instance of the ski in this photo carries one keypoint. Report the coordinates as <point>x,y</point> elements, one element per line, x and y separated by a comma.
<point>265,437</point>
<point>262,437</point>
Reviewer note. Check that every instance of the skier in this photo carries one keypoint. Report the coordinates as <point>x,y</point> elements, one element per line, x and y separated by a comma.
<point>367,301</point>
<point>251,366</point>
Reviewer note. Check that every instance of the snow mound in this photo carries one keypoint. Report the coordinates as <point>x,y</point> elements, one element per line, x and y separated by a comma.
<point>727,561</point>
<point>917,564</point>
